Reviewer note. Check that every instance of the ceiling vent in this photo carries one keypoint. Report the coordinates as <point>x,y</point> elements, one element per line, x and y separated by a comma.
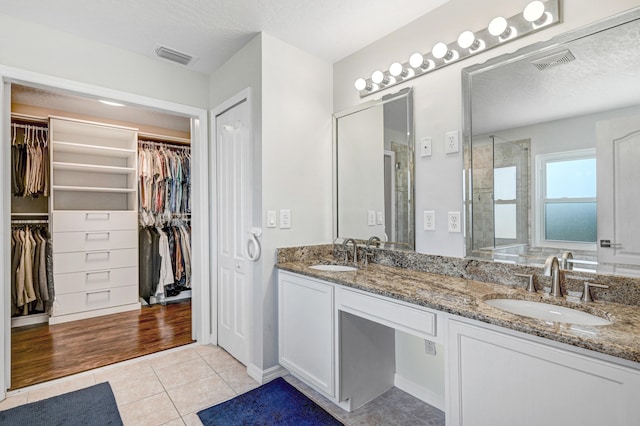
<point>554,60</point>
<point>174,55</point>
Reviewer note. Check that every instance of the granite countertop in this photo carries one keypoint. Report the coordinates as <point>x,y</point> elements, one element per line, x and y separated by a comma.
<point>464,297</point>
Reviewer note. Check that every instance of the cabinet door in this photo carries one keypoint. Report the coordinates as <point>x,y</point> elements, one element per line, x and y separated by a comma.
<point>305,314</point>
<point>499,379</point>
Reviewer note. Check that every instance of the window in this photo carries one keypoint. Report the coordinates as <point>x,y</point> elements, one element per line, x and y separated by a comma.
<point>566,202</point>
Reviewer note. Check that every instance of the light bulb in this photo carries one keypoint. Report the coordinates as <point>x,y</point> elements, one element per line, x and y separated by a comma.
<point>439,50</point>
<point>466,39</point>
<point>396,69</point>
<point>360,84</point>
<point>534,11</point>
<point>498,26</point>
<point>416,60</point>
<point>377,77</point>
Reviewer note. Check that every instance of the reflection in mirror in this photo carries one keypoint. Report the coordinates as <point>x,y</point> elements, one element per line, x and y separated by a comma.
<point>552,147</point>
<point>374,155</point>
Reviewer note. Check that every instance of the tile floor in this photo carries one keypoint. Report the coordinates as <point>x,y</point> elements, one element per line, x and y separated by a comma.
<point>170,387</point>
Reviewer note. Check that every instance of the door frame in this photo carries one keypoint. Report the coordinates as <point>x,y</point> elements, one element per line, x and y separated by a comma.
<point>242,96</point>
<point>201,309</point>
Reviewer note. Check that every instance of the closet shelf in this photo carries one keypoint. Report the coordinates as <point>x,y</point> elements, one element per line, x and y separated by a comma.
<point>57,165</point>
<point>93,189</point>
<point>78,148</point>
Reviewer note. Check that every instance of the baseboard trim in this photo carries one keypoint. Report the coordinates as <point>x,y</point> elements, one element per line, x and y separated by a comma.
<point>419,392</point>
<point>264,376</point>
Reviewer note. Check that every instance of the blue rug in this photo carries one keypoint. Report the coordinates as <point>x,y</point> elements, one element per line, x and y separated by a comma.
<point>91,406</point>
<point>275,403</point>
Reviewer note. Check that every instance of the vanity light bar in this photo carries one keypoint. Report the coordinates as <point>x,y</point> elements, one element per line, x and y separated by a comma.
<point>536,16</point>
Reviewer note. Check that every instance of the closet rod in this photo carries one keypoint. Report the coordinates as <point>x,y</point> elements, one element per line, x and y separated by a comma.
<point>150,137</point>
<point>29,214</point>
<point>29,118</point>
<point>28,222</point>
<point>168,145</point>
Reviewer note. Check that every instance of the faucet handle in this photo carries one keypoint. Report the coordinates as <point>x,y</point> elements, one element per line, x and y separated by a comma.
<point>531,288</point>
<point>586,296</point>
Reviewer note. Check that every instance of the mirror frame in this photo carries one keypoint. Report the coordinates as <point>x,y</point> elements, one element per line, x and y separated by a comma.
<point>522,53</point>
<point>406,93</point>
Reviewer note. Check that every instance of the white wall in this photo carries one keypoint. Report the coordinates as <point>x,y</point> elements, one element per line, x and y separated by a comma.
<point>438,109</point>
<point>44,50</point>
<point>291,108</point>
<point>437,96</point>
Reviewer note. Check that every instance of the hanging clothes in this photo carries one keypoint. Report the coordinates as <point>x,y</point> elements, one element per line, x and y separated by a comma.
<point>164,206</point>
<point>32,289</point>
<point>30,160</point>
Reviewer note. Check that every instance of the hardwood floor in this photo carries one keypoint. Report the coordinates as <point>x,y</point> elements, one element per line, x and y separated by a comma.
<point>43,352</point>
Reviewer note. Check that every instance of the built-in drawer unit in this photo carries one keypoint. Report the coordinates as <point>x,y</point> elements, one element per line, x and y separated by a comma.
<point>401,316</point>
<point>68,221</point>
<point>94,260</point>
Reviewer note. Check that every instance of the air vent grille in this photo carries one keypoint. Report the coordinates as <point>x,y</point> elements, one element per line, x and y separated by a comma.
<point>174,55</point>
<point>554,60</point>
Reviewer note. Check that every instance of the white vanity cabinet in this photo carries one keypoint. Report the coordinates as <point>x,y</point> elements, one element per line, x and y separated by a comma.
<point>499,379</point>
<point>306,327</point>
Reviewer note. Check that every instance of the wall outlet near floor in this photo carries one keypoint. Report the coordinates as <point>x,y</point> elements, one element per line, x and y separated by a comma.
<point>454,224</point>
<point>429,218</point>
<point>429,347</point>
<point>451,142</point>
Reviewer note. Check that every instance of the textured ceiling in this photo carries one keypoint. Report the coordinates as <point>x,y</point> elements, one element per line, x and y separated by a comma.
<point>213,30</point>
<point>605,75</point>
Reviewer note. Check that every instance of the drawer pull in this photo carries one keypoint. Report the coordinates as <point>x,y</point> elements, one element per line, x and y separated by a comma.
<point>98,291</point>
<point>97,216</point>
<point>108,272</point>
<point>95,253</point>
<point>89,234</point>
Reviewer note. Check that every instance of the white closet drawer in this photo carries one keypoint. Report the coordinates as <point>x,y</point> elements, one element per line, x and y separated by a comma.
<point>94,260</point>
<point>385,311</point>
<point>95,299</point>
<point>67,221</point>
<point>95,280</point>
<point>64,242</point>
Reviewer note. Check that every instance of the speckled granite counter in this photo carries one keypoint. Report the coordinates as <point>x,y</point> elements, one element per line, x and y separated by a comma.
<point>464,297</point>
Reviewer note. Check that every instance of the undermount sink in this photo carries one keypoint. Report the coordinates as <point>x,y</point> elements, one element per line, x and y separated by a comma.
<point>334,268</point>
<point>547,312</point>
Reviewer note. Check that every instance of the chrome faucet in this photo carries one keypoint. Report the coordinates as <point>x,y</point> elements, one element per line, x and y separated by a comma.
<point>355,249</point>
<point>564,263</point>
<point>552,269</point>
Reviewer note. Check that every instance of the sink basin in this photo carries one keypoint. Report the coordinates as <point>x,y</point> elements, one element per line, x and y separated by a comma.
<point>334,268</point>
<point>547,312</point>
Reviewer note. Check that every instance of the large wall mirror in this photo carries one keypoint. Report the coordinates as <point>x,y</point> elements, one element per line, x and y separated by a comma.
<point>374,171</point>
<point>552,150</point>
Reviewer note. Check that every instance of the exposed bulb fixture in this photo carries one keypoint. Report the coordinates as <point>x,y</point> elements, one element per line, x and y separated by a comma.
<point>535,13</point>
<point>500,30</point>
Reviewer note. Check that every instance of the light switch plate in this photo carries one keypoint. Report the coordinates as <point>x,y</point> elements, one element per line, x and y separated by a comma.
<point>371,218</point>
<point>380,218</point>
<point>271,219</point>
<point>429,218</point>
<point>285,219</point>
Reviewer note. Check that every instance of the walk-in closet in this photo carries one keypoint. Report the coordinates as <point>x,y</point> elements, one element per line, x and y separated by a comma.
<point>100,233</point>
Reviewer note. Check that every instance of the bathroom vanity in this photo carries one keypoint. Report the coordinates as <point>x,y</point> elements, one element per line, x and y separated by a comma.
<point>337,333</point>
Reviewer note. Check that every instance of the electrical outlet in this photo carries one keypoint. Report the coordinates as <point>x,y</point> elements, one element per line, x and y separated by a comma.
<point>430,347</point>
<point>425,147</point>
<point>451,142</point>
<point>429,218</point>
<point>371,218</point>
<point>454,224</point>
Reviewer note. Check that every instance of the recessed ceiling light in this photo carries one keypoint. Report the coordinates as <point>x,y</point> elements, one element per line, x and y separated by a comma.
<point>111,103</point>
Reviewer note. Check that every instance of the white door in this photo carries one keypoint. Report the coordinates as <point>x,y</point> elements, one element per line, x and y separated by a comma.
<point>234,217</point>
<point>618,156</point>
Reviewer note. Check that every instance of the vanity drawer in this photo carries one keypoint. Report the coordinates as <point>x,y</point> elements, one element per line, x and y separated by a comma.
<point>72,303</point>
<point>67,221</point>
<point>95,280</point>
<point>388,312</point>
<point>94,260</point>
<point>64,242</point>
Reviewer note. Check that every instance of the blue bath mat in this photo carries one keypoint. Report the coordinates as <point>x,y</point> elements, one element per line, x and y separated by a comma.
<point>90,406</point>
<point>274,403</point>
